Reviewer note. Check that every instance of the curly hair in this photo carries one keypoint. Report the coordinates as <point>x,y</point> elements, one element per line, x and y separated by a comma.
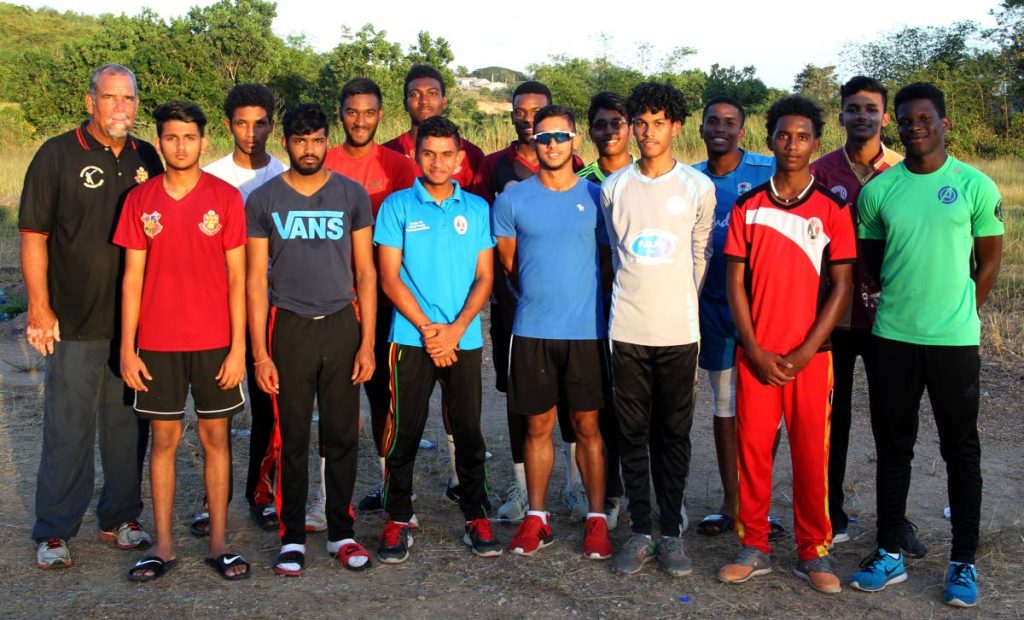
<point>304,119</point>
<point>249,95</point>
<point>922,90</point>
<point>795,105</point>
<point>654,97</point>
<point>423,70</point>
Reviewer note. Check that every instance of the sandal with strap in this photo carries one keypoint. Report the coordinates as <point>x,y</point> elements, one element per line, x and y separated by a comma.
<point>290,557</point>
<point>777,531</point>
<point>226,561</point>
<point>151,563</point>
<point>715,524</point>
<point>200,525</point>
<point>349,551</point>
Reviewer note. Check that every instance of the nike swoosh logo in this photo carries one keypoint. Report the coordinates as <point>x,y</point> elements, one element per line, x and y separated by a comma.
<point>230,559</point>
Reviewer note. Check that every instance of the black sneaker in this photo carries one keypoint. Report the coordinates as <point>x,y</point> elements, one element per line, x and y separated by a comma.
<point>480,537</point>
<point>453,495</point>
<point>372,502</point>
<point>910,543</point>
<point>395,540</point>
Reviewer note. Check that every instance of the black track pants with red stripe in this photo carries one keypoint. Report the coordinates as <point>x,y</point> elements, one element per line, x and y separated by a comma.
<point>413,375</point>
<point>314,359</point>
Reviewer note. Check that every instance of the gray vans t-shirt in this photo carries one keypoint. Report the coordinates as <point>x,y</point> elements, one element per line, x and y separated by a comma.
<point>310,242</point>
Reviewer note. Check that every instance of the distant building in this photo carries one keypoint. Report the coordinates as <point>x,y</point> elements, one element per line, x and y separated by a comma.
<point>475,83</point>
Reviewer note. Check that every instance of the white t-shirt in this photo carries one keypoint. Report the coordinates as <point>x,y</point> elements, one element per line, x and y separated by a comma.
<point>245,179</point>
<point>659,231</point>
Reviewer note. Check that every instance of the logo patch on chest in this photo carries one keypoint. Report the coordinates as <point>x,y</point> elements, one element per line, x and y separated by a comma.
<point>461,224</point>
<point>151,224</point>
<point>814,229</point>
<point>840,191</point>
<point>92,176</point>
<point>653,247</point>
<point>141,175</point>
<point>210,225</point>
<point>948,195</point>
<point>742,188</point>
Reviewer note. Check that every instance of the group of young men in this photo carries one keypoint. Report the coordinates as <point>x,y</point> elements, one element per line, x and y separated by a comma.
<point>609,285</point>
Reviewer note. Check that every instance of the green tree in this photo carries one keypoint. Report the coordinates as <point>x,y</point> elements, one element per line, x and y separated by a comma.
<point>741,84</point>
<point>820,84</point>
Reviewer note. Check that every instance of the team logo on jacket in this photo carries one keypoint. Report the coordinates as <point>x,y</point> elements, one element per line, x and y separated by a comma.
<point>652,247</point>
<point>92,176</point>
<point>742,188</point>
<point>211,223</point>
<point>814,229</point>
<point>141,175</point>
<point>948,195</point>
<point>840,191</point>
<point>151,224</point>
<point>461,224</point>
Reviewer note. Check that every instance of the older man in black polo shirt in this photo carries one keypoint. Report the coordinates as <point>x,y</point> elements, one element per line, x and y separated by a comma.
<point>73,193</point>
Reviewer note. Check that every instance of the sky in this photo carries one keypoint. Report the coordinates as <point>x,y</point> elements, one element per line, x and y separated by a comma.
<point>739,33</point>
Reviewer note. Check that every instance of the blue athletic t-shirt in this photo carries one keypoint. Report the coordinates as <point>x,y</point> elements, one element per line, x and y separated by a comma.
<point>717,331</point>
<point>556,237</point>
<point>441,244</point>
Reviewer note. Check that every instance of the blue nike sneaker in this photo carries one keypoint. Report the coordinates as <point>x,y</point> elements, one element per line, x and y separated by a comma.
<point>879,570</point>
<point>961,589</point>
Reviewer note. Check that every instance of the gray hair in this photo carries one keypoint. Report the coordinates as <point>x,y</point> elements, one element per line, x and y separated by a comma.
<point>111,67</point>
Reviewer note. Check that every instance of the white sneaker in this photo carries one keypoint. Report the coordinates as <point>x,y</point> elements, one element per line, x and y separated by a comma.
<point>316,514</point>
<point>612,507</point>
<point>127,535</point>
<point>53,553</point>
<point>514,508</point>
<point>577,502</point>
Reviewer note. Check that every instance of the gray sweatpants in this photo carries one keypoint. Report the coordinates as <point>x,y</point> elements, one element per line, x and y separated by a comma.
<point>79,385</point>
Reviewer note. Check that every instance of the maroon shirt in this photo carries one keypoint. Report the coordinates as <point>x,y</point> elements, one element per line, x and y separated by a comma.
<point>834,171</point>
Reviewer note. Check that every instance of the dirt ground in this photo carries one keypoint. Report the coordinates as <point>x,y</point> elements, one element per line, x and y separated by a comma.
<point>443,579</point>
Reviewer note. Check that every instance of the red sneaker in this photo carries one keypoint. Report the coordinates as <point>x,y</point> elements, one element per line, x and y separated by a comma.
<point>596,543</point>
<point>533,535</point>
<point>480,537</point>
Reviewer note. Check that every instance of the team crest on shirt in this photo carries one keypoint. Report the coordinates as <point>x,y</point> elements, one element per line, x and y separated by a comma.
<point>653,247</point>
<point>742,188</point>
<point>999,211</point>
<point>151,224</point>
<point>948,195</point>
<point>461,224</point>
<point>92,176</point>
<point>840,191</point>
<point>814,229</point>
<point>141,175</point>
<point>211,223</point>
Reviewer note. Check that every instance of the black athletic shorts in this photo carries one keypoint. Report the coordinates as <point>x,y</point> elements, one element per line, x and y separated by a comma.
<point>543,373</point>
<point>174,374</point>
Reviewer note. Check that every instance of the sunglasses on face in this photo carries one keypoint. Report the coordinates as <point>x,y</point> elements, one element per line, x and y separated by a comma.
<point>615,124</point>
<point>558,137</point>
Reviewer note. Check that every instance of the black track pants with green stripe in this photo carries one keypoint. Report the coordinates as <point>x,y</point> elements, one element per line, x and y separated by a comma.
<point>413,376</point>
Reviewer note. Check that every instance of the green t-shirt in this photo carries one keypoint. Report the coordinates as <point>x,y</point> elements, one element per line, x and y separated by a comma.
<point>928,223</point>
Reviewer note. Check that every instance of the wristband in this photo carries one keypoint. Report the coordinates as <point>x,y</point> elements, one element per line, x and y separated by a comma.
<point>262,361</point>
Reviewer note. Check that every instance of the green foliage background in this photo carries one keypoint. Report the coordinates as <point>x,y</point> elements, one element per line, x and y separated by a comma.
<point>46,58</point>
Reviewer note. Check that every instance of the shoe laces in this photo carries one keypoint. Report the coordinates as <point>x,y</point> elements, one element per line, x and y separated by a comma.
<point>531,526</point>
<point>748,556</point>
<point>671,544</point>
<point>596,526</point>
<point>515,492</point>
<point>132,525</point>
<point>909,527</point>
<point>869,562</point>
<point>54,543</point>
<point>962,574</point>
<point>817,565</point>
<point>481,529</point>
<point>635,544</point>
<point>392,533</point>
